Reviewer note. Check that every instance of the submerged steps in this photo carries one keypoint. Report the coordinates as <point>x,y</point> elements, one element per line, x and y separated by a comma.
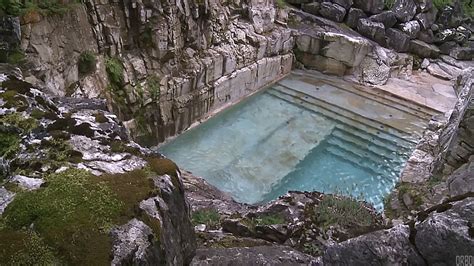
<point>349,104</point>
<point>373,93</point>
<point>345,118</point>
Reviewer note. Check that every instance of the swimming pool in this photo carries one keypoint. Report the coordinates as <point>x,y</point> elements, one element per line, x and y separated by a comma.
<point>307,134</point>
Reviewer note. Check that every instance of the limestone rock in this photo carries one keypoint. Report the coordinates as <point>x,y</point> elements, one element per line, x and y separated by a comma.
<point>27,183</point>
<point>370,6</point>
<point>462,180</point>
<point>388,18</point>
<point>312,8</point>
<point>447,47</point>
<point>411,28</point>
<point>6,197</point>
<point>389,246</point>
<point>353,16</point>
<point>332,11</point>
<point>374,71</point>
<point>426,36</point>
<point>404,10</point>
<point>260,255</point>
<point>131,244</point>
<point>397,40</point>
<point>372,30</point>
<point>423,49</point>
<point>443,236</point>
<point>344,3</point>
<point>427,19</point>
<point>462,53</point>
<point>435,70</point>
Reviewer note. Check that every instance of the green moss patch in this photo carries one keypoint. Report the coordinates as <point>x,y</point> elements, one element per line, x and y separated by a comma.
<point>24,248</point>
<point>209,217</point>
<point>19,121</point>
<point>87,63</point>
<point>114,69</point>
<point>72,213</point>
<point>269,219</point>
<point>9,144</point>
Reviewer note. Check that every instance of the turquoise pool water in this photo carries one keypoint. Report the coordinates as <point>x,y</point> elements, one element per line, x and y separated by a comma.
<point>270,144</point>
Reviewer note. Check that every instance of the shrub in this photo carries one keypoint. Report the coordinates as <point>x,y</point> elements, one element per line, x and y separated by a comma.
<point>269,219</point>
<point>280,3</point>
<point>87,62</point>
<point>209,217</point>
<point>388,4</point>
<point>114,69</point>
<point>343,211</point>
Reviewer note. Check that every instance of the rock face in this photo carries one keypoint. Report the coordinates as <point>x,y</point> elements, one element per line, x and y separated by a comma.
<point>404,10</point>
<point>331,11</point>
<point>370,6</point>
<point>180,61</point>
<point>10,36</point>
<point>435,239</point>
<point>372,30</point>
<point>391,246</point>
<point>443,235</point>
<point>46,136</point>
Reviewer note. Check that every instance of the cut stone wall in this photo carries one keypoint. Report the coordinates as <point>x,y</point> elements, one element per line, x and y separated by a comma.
<point>181,59</point>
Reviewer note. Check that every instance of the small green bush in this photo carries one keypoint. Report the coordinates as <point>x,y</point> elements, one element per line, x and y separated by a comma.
<point>269,219</point>
<point>87,62</point>
<point>114,69</point>
<point>153,85</point>
<point>343,211</point>
<point>45,7</point>
<point>209,217</point>
<point>280,3</point>
<point>388,4</point>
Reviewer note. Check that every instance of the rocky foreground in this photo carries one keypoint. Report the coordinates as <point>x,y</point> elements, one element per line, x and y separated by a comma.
<point>75,188</point>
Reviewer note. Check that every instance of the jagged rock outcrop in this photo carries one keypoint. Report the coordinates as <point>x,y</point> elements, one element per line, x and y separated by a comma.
<point>45,142</point>
<point>437,238</point>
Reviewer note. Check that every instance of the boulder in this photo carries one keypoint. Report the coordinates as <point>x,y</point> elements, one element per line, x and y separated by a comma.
<point>387,18</point>
<point>427,19</point>
<point>259,255</point>
<point>447,47</point>
<point>374,71</point>
<point>462,180</point>
<point>450,16</point>
<point>370,6</point>
<point>424,5</point>
<point>445,36</point>
<point>372,30</point>
<point>435,70</point>
<point>332,11</point>
<point>132,244</point>
<point>462,53</point>
<point>423,49</point>
<point>323,64</point>
<point>345,49</point>
<point>426,36</point>
<point>443,236</point>
<point>312,8</point>
<point>411,28</point>
<point>404,10</point>
<point>6,197</point>
<point>385,247</point>
<point>344,3</point>
<point>297,2</point>
<point>353,16</point>
<point>397,40</point>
